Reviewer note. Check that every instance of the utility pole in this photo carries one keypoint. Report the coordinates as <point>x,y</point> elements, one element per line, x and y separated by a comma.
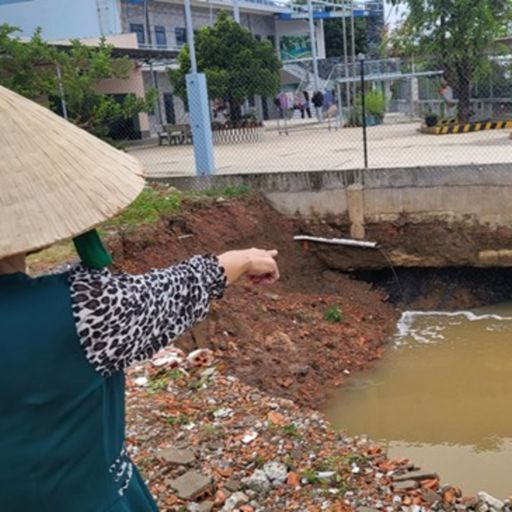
<point>353,39</point>
<point>62,95</point>
<point>152,72</point>
<point>363,111</point>
<point>147,25</point>
<point>197,96</point>
<point>345,56</point>
<point>312,36</point>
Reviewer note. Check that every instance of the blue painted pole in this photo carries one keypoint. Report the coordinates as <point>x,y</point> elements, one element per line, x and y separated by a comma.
<point>197,95</point>
<point>200,122</point>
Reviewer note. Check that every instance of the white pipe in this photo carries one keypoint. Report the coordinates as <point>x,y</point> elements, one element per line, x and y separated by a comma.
<point>338,241</point>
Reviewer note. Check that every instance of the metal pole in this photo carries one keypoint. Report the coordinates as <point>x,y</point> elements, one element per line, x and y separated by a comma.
<point>345,56</point>
<point>147,24</point>
<point>197,94</point>
<point>62,97</point>
<point>190,36</point>
<point>318,110</point>
<point>412,90</point>
<point>340,105</point>
<point>353,40</point>
<point>236,11</point>
<point>154,83</point>
<point>313,44</point>
<point>363,113</point>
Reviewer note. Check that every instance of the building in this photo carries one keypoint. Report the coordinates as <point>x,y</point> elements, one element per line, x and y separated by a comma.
<point>159,26</point>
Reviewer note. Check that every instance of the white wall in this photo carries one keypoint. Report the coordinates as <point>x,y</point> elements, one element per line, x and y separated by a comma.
<point>61,19</point>
<point>171,16</point>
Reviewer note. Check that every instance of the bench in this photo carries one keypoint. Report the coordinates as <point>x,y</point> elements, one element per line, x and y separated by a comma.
<point>175,134</point>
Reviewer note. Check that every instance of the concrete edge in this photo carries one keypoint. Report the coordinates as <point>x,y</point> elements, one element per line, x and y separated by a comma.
<point>398,177</point>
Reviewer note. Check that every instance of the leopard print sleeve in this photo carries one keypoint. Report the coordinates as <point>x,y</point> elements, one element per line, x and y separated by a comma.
<point>122,318</point>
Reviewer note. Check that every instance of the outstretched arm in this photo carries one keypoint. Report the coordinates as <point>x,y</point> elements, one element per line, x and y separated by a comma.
<point>123,318</point>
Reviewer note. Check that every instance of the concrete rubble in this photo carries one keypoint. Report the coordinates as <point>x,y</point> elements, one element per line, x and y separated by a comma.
<point>228,447</point>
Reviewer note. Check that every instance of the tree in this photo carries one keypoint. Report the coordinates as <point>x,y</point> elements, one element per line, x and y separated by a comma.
<point>24,66</point>
<point>81,68</point>
<point>237,65</point>
<point>456,35</point>
<point>30,68</point>
<point>333,30</point>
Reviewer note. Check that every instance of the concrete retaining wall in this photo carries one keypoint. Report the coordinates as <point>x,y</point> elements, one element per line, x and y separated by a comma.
<point>484,191</point>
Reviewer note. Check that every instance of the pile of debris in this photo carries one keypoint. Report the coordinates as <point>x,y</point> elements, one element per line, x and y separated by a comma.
<point>205,441</point>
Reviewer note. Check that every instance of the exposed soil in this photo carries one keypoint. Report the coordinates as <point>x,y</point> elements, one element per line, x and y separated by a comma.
<point>409,242</point>
<point>446,289</point>
<point>274,338</point>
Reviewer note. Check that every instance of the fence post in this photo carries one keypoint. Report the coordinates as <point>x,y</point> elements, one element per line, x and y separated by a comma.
<point>200,123</point>
<point>197,95</point>
<point>363,111</point>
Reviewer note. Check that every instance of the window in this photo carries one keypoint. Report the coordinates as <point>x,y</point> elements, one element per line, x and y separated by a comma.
<point>138,28</point>
<point>181,36</point>
<point>160,37</point>
<point>257,36</point>
<point>272,40</point>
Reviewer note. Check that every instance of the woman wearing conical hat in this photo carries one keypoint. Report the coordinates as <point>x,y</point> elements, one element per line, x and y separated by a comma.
<point>66,339</point>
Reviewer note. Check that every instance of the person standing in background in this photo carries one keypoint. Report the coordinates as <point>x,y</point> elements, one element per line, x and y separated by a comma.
<point>318,103</point>
<point>446,93</point>
<point>307,105</point>
<point>298,104</point>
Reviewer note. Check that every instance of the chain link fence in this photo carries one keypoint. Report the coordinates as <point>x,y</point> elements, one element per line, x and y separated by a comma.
<point>413,115</point>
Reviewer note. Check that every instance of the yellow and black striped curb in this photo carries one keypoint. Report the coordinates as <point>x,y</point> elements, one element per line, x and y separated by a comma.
<point>466,128</point>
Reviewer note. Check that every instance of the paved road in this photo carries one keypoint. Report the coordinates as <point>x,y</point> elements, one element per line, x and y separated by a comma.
<point>311,147</point>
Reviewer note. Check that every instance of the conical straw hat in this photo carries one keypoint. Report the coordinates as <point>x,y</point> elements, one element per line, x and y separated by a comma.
<point>56,180</point>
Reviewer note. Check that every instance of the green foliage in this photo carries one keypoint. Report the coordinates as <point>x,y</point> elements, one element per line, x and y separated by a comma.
<point>181,419</point>
<point>310,476</point>
<point>291,430</point>
<point>456,35</point>
<point>81,68</point>
<point>211,431</point>
<point>333,315</point>
<point>236,64</point>
<point>175,374</point>
<point>26,67</point>
<point>375,103</point>
<point>148,208</point>
<point>30,68</point>
<point>259,461</point>
<point>333,29</point>
<point>158,382</point>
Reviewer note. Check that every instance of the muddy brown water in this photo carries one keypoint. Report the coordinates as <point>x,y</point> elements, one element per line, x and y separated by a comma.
<point>442,397</point>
